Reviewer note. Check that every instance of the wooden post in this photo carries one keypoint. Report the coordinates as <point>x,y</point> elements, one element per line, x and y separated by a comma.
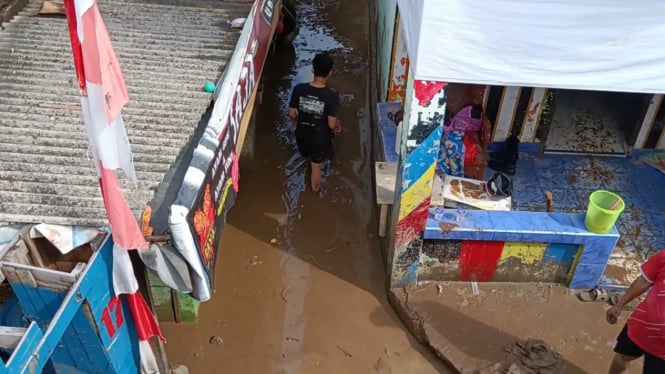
<point>507,108</point>
<point>532,115</point>
<point>421,138</point>
<point>648,121</point>
<point>399,66</point>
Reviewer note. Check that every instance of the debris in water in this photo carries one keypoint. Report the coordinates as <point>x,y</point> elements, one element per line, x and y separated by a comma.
<point>474,288</point>
<point>216,340</point>
<point>439,290</point>
<point>381,366</point>
<point>346,353</point>
<point>253,261</point>
<point>289,339</point>
<point>237,23</point>
<point>331,250</point>
<point>535,356</point>
<point>273,241</point>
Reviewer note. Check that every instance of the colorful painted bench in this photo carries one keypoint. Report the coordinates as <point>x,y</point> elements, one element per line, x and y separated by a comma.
<point>484,236</point>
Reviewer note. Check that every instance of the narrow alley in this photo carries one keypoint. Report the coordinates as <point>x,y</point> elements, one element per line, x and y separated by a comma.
<point>300,281</point>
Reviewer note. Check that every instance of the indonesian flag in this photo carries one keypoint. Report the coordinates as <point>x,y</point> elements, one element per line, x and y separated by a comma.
<point>103,95</point>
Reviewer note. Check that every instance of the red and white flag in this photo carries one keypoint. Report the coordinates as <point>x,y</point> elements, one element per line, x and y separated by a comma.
<point>103,95</point>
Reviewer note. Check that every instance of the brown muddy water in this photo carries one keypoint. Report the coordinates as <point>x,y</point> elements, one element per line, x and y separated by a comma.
<point>314,302</point>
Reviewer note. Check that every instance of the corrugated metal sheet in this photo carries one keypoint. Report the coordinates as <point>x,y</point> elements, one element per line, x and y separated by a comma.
<point>167,50</point>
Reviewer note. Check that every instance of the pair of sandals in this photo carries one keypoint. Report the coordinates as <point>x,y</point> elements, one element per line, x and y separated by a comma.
<point>599,295</point>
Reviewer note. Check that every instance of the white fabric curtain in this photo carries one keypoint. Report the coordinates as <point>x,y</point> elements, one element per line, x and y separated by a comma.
<point>607,45</point>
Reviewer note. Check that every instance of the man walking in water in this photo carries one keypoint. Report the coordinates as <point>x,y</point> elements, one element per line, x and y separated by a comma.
<point>313,110</point>
<point>644,333</point>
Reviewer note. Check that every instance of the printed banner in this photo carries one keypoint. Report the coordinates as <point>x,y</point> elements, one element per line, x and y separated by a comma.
<point>218,188</point>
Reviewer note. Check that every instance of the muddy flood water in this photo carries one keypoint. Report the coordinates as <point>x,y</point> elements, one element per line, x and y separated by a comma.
<point>314,301</point>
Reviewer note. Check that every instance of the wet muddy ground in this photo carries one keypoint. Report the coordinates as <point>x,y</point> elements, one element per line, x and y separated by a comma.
<point>473,330</point>
<point>300,281</point>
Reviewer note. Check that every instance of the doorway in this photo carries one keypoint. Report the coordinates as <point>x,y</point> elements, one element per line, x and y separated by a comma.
<point>595,122</point>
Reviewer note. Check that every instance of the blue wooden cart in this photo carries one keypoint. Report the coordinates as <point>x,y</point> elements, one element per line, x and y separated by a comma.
<point>58,321</point>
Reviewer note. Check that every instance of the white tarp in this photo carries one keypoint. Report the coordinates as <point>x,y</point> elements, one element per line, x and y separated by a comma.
<point>607,45</point>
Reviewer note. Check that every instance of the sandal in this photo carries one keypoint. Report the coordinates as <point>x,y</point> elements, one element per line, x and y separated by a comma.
<point>595,295</point>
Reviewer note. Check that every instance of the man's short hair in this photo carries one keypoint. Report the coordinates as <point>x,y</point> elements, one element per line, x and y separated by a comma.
<point>322,64</point>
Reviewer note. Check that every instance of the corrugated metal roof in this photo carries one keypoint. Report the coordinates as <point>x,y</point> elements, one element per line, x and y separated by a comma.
<point>167,51</point>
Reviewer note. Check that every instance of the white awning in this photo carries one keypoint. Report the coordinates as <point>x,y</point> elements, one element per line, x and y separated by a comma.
<point>606,45</point>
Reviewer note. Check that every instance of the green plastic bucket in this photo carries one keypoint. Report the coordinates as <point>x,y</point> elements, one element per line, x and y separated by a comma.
<point>599,217</point>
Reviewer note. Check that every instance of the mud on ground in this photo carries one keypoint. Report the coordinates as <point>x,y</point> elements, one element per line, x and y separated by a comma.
<point>300,281</point>
<point>477,333</point>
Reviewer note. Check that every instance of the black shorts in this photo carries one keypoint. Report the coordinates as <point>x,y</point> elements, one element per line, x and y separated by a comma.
<point>314,143</point>
<point>626,347</point>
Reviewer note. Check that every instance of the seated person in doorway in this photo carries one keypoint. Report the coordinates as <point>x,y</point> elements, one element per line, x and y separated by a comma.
<point>644,332</point>
<point>313,110</point>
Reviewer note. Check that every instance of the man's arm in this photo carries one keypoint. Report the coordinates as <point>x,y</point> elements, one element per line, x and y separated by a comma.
<point>293,114</point>
<point>293,105</point>
<point>334,124</point>
<point>649,273</point>
<point>637,288</point>
<point>333,121</point>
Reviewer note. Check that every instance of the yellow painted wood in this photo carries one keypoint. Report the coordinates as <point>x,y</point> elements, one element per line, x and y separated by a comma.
<point>527,253</point>
<point>417,193</point>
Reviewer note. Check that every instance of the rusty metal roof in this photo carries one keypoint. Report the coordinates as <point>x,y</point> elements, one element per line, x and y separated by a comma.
<point>167,50</point>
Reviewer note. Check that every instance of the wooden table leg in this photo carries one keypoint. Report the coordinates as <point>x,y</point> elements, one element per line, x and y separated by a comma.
<point>383,220</point>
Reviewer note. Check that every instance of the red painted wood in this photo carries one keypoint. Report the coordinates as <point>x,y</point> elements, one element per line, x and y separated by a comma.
<point>413,224</point>
<point>478,260</point>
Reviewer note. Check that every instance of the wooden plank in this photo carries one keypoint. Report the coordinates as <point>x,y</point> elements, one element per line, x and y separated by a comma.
<point>437,191</point>
<point>383,220</point>
<point>11,336</point>
<point>17,254</point>
<point>63,317</point>
<point>479,259</point>
<point>386,174</point>
<point>32,248</point>
<point>486,96</point>
<point>648,121</point>
<point>24,359</point>
<point>113,318</point>
<point>507,108</point>
<point>57,280</point>
<point>26,278</point>
<point>4,250</point>
<point>399,67</point>
<point>532,115</point>
<point>70,346</point>
<point>37,310</point>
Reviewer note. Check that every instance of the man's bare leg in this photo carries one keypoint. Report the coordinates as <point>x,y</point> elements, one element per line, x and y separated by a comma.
<point>316,177</point>
<point>620,363</point>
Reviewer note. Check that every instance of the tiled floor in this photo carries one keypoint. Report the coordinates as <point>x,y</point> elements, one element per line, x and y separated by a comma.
<point>572,178</point>
<point>586,122</point>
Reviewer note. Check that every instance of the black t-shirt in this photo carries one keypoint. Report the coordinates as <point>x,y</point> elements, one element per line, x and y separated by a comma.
<point>314,105</point>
